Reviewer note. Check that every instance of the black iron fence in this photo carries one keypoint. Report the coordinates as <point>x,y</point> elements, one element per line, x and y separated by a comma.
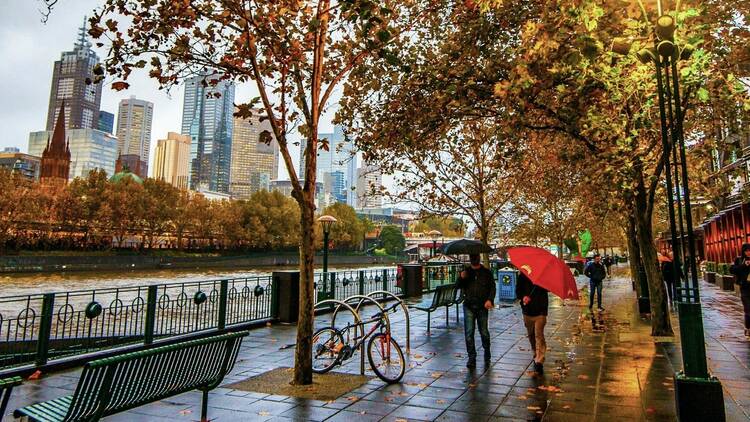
<point>40,328</point>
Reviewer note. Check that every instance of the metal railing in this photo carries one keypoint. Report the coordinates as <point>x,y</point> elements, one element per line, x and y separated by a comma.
<point>38,328</point>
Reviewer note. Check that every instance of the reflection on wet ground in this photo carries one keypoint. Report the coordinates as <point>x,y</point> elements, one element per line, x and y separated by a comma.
<point>601,366</point>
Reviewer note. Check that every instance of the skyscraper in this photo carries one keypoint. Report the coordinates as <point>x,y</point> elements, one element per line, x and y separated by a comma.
<point>207,119</point>
<point>89,149</point>
<point>134,118</point>
<point>106,121</point>
<point>171,159</point>
<point>369,182</point>
<point>255,156</point>
<point>55,165</point>
<point>69,83</point>
<point>340,157</point>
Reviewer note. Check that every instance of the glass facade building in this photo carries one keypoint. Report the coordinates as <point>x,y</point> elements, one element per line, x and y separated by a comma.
<point>207,118</point>
<point>340,157</point>
<point>134,119</point>
<point>89,149</point>
<point>255,156</point>
<point>106,122</point>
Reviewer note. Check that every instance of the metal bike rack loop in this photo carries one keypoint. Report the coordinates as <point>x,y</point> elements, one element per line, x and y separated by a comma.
<point>403,308</point>
<point>358,322</point>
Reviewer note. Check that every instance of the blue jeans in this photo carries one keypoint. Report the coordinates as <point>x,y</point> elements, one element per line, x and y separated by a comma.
<point>472,316</point>
<point>595,285</point>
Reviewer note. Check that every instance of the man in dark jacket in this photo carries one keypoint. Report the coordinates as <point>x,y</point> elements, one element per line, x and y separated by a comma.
<point>741,270</point>
<point>596,272</point>
<point>534,306</point>
<point>478,289</point>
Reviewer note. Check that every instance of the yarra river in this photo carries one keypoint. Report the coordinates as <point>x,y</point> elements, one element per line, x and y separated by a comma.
<point>31,283</point>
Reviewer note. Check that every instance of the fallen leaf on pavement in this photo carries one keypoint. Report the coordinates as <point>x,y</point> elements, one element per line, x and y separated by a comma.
<point>533,407</point>
<point>185,412</point>
<point>264,413</point>
<point>352,398</point>
<point>439,401</point>
<point>583,377</point>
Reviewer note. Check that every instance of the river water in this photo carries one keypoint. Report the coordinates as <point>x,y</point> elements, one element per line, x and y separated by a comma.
<point>31,283</point>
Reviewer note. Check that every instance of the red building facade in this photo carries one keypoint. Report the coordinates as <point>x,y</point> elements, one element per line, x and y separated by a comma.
<point>725,233</point>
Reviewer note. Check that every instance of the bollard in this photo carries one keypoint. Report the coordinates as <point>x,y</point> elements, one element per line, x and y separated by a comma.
<point>148,334</point>
<point>45,329</point>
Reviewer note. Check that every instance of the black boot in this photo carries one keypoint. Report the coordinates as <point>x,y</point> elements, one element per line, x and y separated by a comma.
<point>487,358</point>
<point>472,363</point>
<point>539,368</point>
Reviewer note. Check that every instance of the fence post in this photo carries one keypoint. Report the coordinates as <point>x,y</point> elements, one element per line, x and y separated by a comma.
<point>274,296</point>
<point>385,280</point>
<point>362,283</point>
<point>45,329</point>
<point>223,289</point>
<point>148,335</point>
<point>332,292</point>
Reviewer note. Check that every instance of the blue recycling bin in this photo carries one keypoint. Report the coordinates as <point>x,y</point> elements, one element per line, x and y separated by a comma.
<point>506,285</point>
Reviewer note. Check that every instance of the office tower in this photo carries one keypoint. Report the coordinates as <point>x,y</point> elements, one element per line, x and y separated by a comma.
<point>69,84</point>
<point>171,160</point>
<point>106,122</point>
<point>25,165</point>
<point>10,150</point>
<point>255,156</point>
<point>207,119</point>
<point>335,186</point>
<point>134,118</point>
<point>89,149</point>
<point>369,182</point>
<point>340,157</point>
<point>55,164</point>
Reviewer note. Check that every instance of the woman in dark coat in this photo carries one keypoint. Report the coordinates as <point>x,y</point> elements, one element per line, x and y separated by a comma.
<point>741,270</point>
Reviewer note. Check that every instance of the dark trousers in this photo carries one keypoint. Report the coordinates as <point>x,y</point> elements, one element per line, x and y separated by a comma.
<point>595,285</point>
<point>745,296</point>
<point>670,288</point>
<point>472,317</point>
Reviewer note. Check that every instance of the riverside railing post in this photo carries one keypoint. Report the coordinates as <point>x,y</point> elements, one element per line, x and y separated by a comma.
<point>148,334</point>
<point>274,297</point>
<point>361,283</point>
<point>385,280</point>
<point>223,289</point>
<point>45,329</point>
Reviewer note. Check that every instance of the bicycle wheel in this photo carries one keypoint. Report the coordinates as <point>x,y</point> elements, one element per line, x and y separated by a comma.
<point>327,343</point>
<point>386,358</point>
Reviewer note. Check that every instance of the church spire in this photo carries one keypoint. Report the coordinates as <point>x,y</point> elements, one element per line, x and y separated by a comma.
<point>58,145</point>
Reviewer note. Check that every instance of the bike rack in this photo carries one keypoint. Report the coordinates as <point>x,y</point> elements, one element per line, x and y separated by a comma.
<point>358,322</point>
<point>403,308</point>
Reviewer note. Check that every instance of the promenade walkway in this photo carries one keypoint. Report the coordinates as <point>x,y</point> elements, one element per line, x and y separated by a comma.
<point>603,367</point>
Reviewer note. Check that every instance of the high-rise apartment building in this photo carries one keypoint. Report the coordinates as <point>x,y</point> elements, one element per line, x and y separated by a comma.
<point>25,165</point>
<point>369,182</point>
<point>207,118</point>
<point>171,160</point>
<point>69,84</point>
<point>106,121</point>
<point>134,119</point>
<point>255,156</point>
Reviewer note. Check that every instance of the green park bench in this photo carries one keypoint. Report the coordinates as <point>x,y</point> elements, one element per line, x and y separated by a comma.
<point>443,296</point>
<point>6,386</point>
<point>113,385</point>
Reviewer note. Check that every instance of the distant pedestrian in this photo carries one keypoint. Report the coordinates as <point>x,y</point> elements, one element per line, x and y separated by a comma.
<point>596,272</point>
<point>741,270</point>
<point>668,273</point>
<point>478,289</point>
<point>534,306</point>
<point>608,264</point>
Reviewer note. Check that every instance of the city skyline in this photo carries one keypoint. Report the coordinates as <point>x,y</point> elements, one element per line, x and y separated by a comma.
<point>29,44</point>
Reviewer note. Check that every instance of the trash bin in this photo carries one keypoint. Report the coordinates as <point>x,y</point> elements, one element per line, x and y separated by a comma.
<point>506,285</point>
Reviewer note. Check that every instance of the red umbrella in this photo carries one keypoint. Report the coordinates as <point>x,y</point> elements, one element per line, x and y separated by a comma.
<point>545,270</point>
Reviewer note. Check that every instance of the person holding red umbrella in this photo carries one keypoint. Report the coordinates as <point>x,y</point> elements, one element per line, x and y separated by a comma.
<point>539,272</point>
<point>534,306</point>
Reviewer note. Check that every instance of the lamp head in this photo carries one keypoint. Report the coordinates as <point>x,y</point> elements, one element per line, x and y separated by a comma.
<point>666,48</point>
<point>326,221</point>
<point>665,27</point>
<point>647,55</point>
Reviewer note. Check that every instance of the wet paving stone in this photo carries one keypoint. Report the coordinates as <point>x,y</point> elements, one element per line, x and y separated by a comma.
<point>600,367</point>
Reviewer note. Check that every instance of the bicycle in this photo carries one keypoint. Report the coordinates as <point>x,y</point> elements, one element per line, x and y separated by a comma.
<point>383,352</point>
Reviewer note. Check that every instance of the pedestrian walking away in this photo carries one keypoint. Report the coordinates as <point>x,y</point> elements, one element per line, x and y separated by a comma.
<point>608,264</point>
<point>596,272</point>
<point>668,273</point>
<point>534,306</point>
<point>478,289</point>
<point>741,270</point>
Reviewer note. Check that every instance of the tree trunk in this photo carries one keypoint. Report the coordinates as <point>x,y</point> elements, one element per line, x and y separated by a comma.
<point>661,325</point>
<point>635,256</point>
<point>485,236</point>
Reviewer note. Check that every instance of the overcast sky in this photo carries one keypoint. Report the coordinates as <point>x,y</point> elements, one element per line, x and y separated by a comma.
<point>28,50</point>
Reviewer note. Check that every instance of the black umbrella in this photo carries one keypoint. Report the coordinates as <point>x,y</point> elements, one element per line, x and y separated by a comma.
<point>465,247</point>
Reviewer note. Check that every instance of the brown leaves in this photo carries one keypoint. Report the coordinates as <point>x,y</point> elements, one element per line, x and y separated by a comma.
<point>120,85</point>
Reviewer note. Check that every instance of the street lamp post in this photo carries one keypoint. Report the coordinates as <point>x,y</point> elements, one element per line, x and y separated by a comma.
<point>434,234</point>
<point>699,396</point>
<point>326,221</point>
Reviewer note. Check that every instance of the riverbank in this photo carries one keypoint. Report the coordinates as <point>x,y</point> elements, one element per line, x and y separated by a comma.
<point>101,262</point>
